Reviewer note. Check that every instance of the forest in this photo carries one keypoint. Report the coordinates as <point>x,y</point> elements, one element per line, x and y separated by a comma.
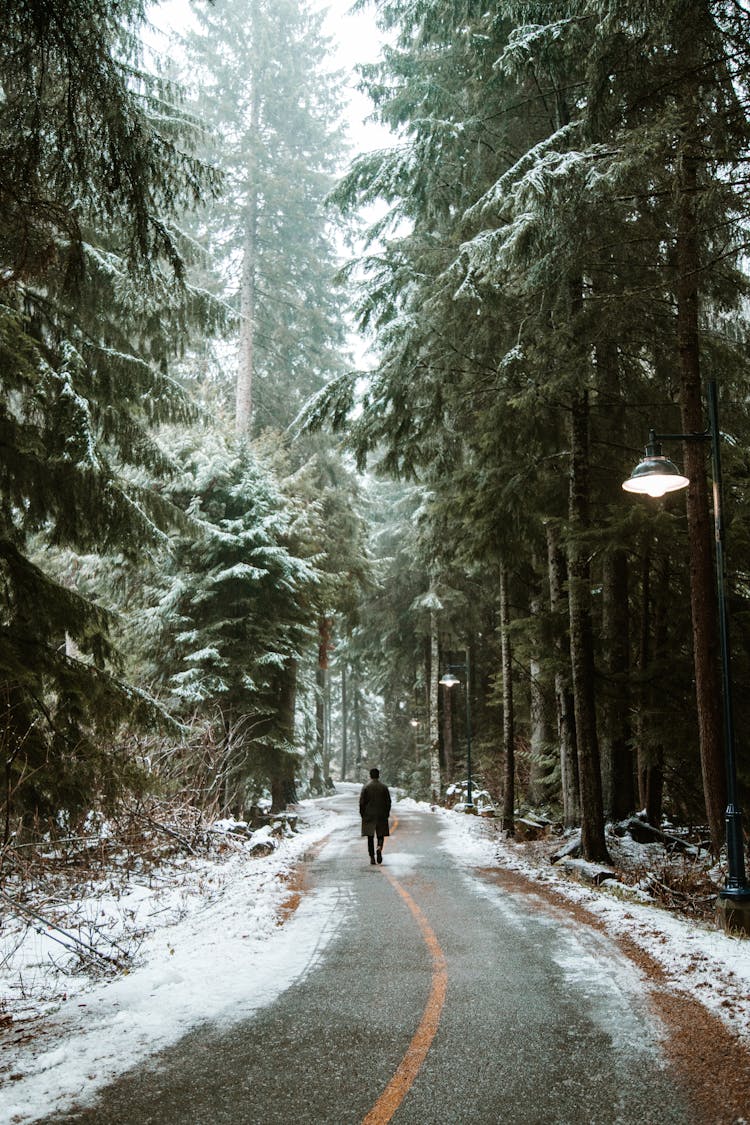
<point>236,563</point>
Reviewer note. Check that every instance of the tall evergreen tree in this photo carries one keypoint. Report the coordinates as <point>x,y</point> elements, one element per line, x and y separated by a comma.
<point>97,163</point>
<point>274,113</point>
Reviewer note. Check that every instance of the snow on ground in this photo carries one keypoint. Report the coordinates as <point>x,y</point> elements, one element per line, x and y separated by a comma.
<point>214,950</point>
<point>697,958</point>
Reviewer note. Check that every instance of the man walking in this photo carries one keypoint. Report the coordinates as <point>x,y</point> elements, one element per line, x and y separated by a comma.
<point>374,807</point>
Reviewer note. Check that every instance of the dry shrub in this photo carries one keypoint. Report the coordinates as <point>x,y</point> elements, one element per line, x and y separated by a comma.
<point>680,883</point>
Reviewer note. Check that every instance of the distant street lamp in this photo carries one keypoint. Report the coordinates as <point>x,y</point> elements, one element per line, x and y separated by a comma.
<point>449,681</point>
<point>656,475</point>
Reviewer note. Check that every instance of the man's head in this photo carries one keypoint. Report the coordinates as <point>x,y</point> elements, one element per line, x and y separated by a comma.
<point>374,773</point>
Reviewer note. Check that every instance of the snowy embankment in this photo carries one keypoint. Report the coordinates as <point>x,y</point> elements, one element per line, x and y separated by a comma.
<point>696,957</point>
<point>212,947</point>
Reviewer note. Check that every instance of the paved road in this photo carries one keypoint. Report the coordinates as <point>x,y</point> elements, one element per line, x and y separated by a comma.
<point>543,1022</point>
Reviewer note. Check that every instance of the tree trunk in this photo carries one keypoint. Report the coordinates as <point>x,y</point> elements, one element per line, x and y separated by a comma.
<point>230,804</point>
<point>283,787</point>
<point>321,695</point>
<point>644,657</point>
<point>344,722</point>
<point>506,661</point>
<point>539,698</point>
<point>434,731</point>
<point>566,727</point>
<point>320,703</point>
<point>246,345</point>
<point>700,533</point>
<point>582,637</point>
<point>288,700</point>
<point>328,742</point>
<point>15,728</point>
<point>652,657</point>
<point>564,685</point>
<point>448,735</point>
<point>357,725</point>
<point>653,778</point>
<point>617,758</point>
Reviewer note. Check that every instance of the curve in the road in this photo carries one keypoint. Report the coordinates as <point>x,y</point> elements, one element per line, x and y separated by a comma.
<point>409,1067</point>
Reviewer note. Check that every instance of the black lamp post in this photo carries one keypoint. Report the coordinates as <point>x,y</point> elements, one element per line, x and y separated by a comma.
<point>654,476</point>
<point>449,681</point>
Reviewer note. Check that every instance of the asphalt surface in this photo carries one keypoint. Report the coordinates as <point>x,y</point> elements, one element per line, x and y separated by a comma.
<point>544,1023</point>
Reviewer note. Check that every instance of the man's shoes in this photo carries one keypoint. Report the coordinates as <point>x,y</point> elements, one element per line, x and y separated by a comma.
<point>380,856</point>
<point>372,860</point>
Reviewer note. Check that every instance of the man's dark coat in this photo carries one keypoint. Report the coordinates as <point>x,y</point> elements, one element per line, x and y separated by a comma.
<point>374,807</point>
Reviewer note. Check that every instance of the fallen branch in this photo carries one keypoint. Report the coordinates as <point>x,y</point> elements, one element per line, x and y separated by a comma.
<point>238,838</point>
<point>169,832</point>
<point>78,945</point>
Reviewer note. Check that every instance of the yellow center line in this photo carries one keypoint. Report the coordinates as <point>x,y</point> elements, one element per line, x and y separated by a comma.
<point>409,1067</point>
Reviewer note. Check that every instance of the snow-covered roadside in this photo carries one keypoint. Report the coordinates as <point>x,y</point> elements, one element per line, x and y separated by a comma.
<point>697,958</point>
<point>214,962</point>
<point>216,951</point>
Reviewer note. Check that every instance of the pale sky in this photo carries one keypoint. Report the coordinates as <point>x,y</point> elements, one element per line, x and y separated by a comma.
<point>358,40</point>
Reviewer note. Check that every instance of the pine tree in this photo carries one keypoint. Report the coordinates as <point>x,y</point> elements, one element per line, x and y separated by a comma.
<point>96,165</point>
<point>273,111</point>
<point>237,612</point>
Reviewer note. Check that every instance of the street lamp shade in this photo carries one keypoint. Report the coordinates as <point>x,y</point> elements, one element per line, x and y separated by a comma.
<point>449,680</point>
<point>654,476</point>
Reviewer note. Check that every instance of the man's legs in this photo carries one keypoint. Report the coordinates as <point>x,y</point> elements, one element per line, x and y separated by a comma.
<point>371,848</point>
<point>380,848</point>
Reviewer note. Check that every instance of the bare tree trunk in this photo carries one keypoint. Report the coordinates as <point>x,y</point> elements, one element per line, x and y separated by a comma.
<point>320,768</point>
<point>357,724</point>
<point>320,703</point>
<point>344,723</point>
<point>433,732</point>
<point>700,534</point>
<point>593,842</point>
<point>328,729</point>
<point>509,734</point>
<point>565,686</point>
<point>229,798</point>
<point>288,700</point>
<point>283,787</point>
<point>644,658</point>
<point>539,698</point>
<point>246,346</point>
<point>617,757</point>
<point>566,727</point>
<point>448,752</point>
<point>653,659</point>
<point>245,358</point>
<point>15,730</point>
